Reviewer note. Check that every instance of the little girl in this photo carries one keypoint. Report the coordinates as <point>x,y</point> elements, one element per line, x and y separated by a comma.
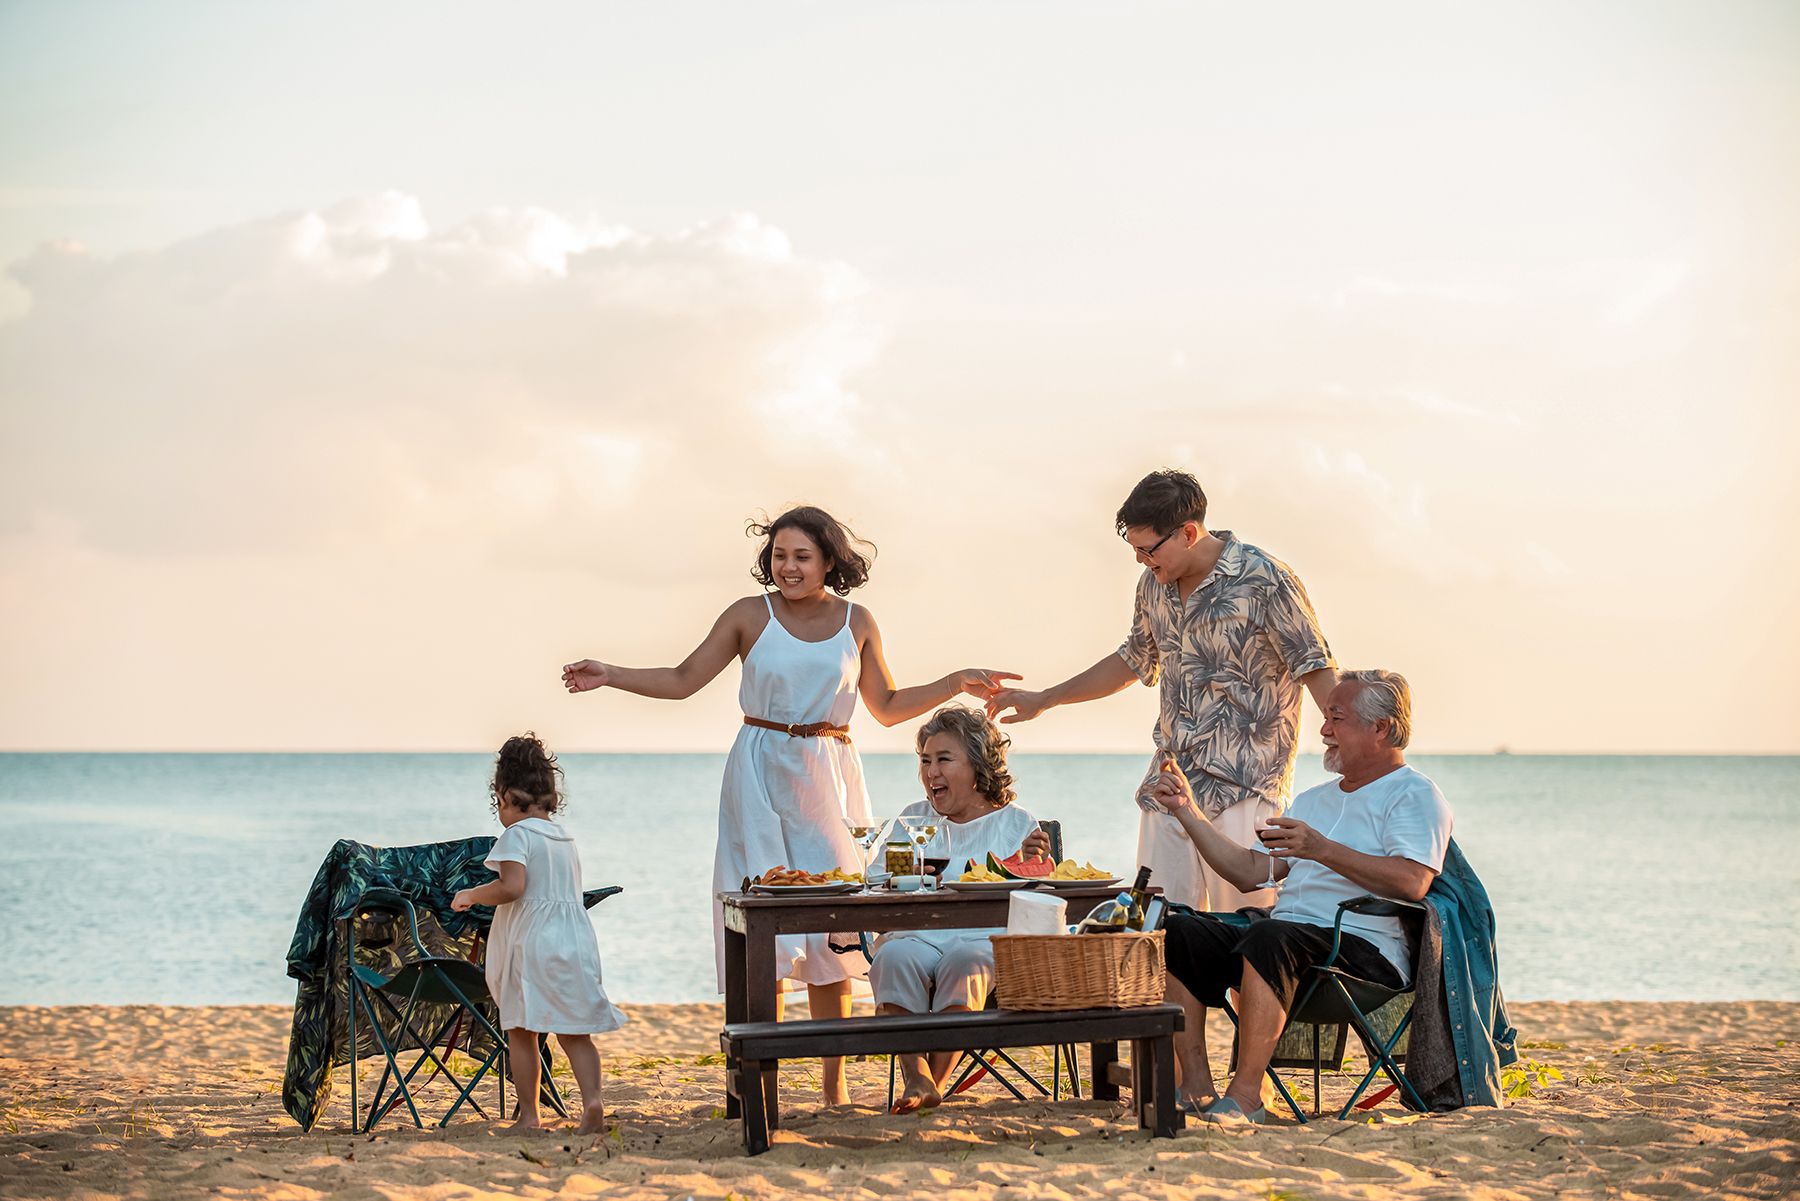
<point>543,963</point>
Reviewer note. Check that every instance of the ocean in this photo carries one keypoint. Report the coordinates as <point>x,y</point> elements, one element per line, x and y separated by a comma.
<point>177,878</point>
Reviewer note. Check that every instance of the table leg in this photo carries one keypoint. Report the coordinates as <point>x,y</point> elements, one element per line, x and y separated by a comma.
<point>759,992</point>
<point>736,1006</point>
<point>1140,1081</point>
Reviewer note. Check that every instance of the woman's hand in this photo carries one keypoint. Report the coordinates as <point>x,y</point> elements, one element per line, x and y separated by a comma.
<point>979,682</point>
<point>584,676</point>
<point>463,901</point>
<point>1171,789</point>
<point>1036,845</point>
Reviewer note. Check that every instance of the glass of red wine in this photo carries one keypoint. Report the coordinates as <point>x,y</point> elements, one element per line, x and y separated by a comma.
<point>1264,833</point>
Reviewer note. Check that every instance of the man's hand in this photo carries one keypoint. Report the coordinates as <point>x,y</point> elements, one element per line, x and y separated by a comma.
<point>584,676</point>
<point>1290,839</point>
<point>1171,789</point>
<point>1024,705</point>
<point>980,682</point>
<point>1036,845</point>
<point>463,901</point>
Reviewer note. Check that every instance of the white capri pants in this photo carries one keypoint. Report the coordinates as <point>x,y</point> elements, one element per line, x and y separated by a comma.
<point>929,973</point>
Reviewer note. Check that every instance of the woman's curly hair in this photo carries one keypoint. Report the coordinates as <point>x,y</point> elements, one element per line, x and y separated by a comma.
<point>849,566</point>
<point>527,774</point>
<point>983,742</point>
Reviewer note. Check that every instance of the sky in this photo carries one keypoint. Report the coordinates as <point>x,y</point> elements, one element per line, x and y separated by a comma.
<point>361,365</point>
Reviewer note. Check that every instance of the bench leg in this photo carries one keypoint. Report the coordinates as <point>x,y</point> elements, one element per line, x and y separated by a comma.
<point>753,1107</point>
<point>1141,1081</point>
<point>771,1094</point>
<point>1103,1086</point>
<point>1168,1117</point>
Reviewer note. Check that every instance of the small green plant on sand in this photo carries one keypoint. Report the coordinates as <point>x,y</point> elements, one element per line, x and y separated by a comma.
<point>1525,1078</point>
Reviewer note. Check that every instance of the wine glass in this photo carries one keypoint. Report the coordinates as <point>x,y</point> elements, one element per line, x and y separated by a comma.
<point>1263,833</point>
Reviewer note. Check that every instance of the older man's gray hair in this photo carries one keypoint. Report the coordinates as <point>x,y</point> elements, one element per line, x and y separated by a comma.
<point>1384,694</point>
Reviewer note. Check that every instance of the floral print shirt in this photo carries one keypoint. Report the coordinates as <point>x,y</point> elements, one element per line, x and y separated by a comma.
<point>1229,663</point>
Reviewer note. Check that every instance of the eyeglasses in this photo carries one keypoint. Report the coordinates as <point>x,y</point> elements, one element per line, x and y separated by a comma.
<point>1147,553</point>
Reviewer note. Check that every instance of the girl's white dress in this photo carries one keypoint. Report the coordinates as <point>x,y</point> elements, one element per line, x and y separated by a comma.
<point>543,962</point>
<point>784,799</point>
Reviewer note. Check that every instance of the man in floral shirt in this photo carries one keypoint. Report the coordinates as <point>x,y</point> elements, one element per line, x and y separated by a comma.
<point>1228,635</point>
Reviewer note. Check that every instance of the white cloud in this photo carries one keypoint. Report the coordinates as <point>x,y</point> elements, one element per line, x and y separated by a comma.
<point>356,373</point>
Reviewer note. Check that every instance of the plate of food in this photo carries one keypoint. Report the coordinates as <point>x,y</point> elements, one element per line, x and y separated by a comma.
<point>833,888</point>
<point>782,880</point>
<point>1100,882</point>
<point>984,885</point>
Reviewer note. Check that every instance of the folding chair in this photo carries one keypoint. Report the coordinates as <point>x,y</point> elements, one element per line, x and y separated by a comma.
<point>973,1065</point>
<point>423,978</point>
<point>1330,996</point>
<point>430,980</point>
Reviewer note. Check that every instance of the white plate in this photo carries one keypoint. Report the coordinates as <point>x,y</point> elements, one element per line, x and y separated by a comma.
<point>1080,883</point>
<point>807,890</point>
<point>984,885</point>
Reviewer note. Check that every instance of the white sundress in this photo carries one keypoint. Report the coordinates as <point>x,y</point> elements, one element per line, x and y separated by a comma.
<point>543,962</point>
<point>784,799</point>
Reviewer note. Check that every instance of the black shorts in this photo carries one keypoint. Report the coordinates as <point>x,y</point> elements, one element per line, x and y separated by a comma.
<point>1208,954</point>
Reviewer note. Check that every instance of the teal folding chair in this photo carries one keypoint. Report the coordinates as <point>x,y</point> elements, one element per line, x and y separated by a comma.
<point>1330,996</point>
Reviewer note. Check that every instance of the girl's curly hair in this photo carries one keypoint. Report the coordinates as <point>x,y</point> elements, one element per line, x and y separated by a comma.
<point>983,742</point>
<point>527,774</point>
<point>849,566</point>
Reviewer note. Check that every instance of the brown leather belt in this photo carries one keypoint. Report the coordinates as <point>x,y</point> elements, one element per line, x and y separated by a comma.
<point>816,729</point>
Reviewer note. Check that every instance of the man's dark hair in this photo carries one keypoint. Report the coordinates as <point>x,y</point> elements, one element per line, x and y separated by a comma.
<point>1163,500</point>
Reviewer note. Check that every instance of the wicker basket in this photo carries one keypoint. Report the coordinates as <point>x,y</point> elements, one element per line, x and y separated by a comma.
<point>1078,971</point>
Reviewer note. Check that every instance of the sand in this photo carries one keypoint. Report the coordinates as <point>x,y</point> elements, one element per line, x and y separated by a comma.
<point>1656,1100</point>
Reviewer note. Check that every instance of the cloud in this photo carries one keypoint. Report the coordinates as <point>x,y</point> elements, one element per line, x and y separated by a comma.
<point>356,373</point>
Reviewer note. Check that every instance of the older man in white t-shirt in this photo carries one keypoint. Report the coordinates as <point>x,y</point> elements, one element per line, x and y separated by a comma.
<point>1382,829</point>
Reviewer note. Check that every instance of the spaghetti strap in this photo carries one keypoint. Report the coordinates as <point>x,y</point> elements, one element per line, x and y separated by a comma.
<point>849,608</point>
<point>769,605</point>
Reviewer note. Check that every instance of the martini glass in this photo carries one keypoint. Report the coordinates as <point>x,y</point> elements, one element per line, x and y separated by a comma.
<point>924,829</point>
<point>865,837</point>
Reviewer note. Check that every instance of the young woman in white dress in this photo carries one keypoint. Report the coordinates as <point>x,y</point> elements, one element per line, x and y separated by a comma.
<point>793,775</point>
<point>543,962</point>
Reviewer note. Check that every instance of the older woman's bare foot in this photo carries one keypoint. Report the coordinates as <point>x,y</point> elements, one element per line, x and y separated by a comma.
<point>916,1097</point>
<point>839,1096</point>
<point>593,1120</point>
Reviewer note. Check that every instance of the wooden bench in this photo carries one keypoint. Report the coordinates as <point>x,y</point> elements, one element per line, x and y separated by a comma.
<point>754,1049</point>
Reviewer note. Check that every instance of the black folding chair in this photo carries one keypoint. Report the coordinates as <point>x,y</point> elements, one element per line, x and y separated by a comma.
<point>1331,996</point>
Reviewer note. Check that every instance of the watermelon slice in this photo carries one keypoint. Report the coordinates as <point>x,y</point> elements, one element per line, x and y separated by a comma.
<point>1020,868</point>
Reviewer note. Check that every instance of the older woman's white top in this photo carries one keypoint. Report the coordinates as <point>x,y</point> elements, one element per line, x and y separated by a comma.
<point>1000,831</point>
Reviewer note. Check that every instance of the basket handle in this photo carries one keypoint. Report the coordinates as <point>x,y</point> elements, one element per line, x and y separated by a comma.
<point>1138,944</point>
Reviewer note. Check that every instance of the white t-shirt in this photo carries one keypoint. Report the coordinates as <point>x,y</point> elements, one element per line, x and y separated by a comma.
<point>1402,814</point>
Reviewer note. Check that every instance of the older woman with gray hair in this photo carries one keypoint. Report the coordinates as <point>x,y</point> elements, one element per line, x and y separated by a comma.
<point>962,764</point>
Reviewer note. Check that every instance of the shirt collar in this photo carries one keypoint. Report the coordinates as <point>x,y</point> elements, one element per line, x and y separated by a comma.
<point>1230,564</point>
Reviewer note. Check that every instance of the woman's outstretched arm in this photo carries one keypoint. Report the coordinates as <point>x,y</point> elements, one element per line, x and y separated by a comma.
<point>676,683</point>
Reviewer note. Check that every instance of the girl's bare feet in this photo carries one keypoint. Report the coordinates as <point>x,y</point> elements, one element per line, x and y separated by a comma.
<point>522,1124</point>
<point>593,1120</point>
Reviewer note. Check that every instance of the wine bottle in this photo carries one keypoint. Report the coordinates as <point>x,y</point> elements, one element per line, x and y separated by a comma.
<point>1140,899</point>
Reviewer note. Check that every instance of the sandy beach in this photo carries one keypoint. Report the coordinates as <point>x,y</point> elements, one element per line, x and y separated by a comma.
<point>1655,1100</point>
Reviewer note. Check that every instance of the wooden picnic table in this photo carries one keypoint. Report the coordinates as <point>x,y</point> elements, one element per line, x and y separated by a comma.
<point>752,920</point>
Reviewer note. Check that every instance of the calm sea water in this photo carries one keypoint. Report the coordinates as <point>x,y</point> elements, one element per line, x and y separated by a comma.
<point>178,878</point>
